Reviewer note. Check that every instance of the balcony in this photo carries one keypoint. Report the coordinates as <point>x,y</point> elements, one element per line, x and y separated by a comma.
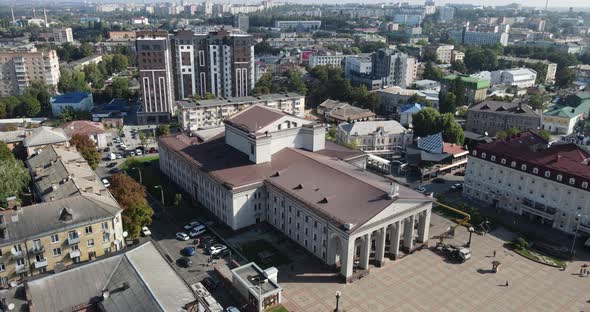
<point>73,240</point>
<point>40,264</point>
<point>17,254</point>
<point>74,254</point>
<point>37,250</point>
<point>21,269</point>
<point>539,210</point>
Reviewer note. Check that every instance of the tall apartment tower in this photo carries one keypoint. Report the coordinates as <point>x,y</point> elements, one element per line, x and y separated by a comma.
<point>154,62</point>
<point>21,65</point>
<point>242,22</point>
<point>220,63</point>
<point>393,68</point>
<point>62,35</point>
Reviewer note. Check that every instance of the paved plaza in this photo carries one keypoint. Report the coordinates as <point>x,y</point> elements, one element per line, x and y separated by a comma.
<point>424,281</point>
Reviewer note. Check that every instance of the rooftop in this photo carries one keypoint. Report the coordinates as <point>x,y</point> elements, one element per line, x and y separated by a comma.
<point>237,100</point>
<point>70,97</point>
<point>256,118</point>
<point>479,83</point>
<point>249,274</point>
<point>508,108</point>
<point>83,127</point>
<point>368,127</point>
<point>44,135</point>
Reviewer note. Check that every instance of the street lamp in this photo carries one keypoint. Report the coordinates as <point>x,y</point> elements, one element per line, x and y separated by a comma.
<point>139,171</point>
<point>575,235</point>
<point>161,192</point>
<point>471,230</point>
<point>260,281</point>
<point>337,302</point>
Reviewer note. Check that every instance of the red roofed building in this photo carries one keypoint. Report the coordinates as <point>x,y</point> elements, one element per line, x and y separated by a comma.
<point>525,175</point>
<point>94,130</point>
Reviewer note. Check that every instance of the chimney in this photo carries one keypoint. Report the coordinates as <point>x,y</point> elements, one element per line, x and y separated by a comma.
<point>393,190</point>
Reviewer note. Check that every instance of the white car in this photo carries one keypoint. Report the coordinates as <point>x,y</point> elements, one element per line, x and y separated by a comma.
<point>191,225</point>
<point>138,152</point>
<point>198,230</point>
<point>182,236</point>
<point>217,248</point>
<point>145,231</point>
<point>106,182</point>
<point>123,146</point>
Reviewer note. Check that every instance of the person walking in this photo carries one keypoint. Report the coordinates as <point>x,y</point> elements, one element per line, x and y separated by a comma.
<point>494,253</point>
<point>506,283</point>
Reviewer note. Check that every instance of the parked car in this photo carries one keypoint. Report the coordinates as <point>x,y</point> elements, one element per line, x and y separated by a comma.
<point>191,225</point>
<point>215,249</point>
<point>198,230</point>
<point>438,180</point>
<point>222,254</point>
<point>119,155</point>
<point>123,146</point>
<point>182,236</point>
<point>153,150</point>
<point>457,187</point>
<point>115,170</point>
<point>210,283</point>
<point>138,152</point>
<point>106,182</point>
<point>209,242</point>
<point>459,173</point>
<point>188,251</point>
<point>232,309</point>
<point>145,231</point>
<point>113,164</point>
<point>107,149</point>
<point>131,153</point>
<point>421,189</point>
<point>185,262</point>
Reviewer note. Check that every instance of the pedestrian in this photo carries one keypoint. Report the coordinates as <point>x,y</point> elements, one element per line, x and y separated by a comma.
<point>494,254</point>
<point>581,270</point>
<point>506,283</point>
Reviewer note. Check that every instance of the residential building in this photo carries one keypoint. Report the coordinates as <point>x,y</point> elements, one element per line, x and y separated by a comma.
<point>562,117</point>
<point>446,14</point>
<point>298,25</point>
<point>200,114</point>
<point>457,56</point>
<point>357,66</point>
<point>571,47</point>
<point>431,157</point>
<point>13,139</point>
<point>393,68</point>
<point>40,137</point>
<point>511,61</point>
<point>524,175</point>
<point>154,62</point>
<point>392,98</point>
<point>80,101</point>
<point>332,60</point>
<point>468,37</point>
<point>582,73</point>
<point>139,21</point>
<point>406,113</point>
<point>93,130</point>
<point>139,279</point>
<point>475,88</point>
<point>490,117</point>
<point>443,52</point>
<point>18,68</point>
<point>384,136</point>
<point>242,22</point>
<point>121,35</point>
<point>251,282</point>
<point>272,167</point>
<point>220,63</point>
<point>517,77</point>
<point>81,63</point>
<point>62,35</point>
<point>408,19</point>
<point>336,112</point>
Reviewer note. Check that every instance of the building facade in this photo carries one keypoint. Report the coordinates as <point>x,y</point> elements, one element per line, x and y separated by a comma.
<point>193,115</point>
<point>322,60</point>
<point>491,117</point>
<point>394,68</point>
<point>443,52</point>
<point>154,62</point>
<point>220,63</point>
<point>81,101</point>
<point>242,22</point>
<point>467,37</point>
<point>19,68</point>
<point>374,136</point>
<point>551,68</point>
<point>518,77</point>
<point>475,88</point>
<point>62,35</point>
<point>271,167</point>
<point>525,176</point>
<point>298,25</point>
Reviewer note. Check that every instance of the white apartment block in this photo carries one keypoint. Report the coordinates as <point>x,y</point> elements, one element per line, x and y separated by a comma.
<point>19,68</point>
<point>62,35</point>
<point>525,176</point>
<point>443,52</point>
<point>299,25</point>
<point>276,168</point>
<point>202,114</point>
<point>518,77</point>
<point>332,60</point>
<point>375,136</point>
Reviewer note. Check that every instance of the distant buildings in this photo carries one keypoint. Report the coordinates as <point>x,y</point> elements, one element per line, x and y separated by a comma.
<point>475,88</point>
<point>242,22</point>
<point>443,52</point>
<point>407,19</point>
<point>526,176</point>
<point>517,77</point>
<point>374,136</point>
<point>62,35</point>
<point>468,37</point>
<point>81,101</point>
<point>336,112</point>
<point>551,68</point>
<point>393,98</point>
<point>200,114</point>
<point>491,117</point>
<point>332,60</point>
<point>154,62</point>
<point>20,65</point>
<point>298,25</point>
<point>446,14</point>
<point>139,21</point>
<point>357,66</point>
<point>393,68</point>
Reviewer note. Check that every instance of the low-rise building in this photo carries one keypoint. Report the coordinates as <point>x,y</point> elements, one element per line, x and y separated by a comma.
<point>374,136</point>
<point>443,52</point>
<point>407,112</point>
<point>582,73</point>
<point>251,282</point>
<point>457,56</point>
<point>332,60</point>
<point>37,138</point>
<point>431,157</point>
<point>524,175</point>
<point>490,117</point>
<point>518,77</point>
<point>511,61</point>
<point>336,112</point>
<point>468,37</point>
<point>81,101</point>
<point>81,63</point>
<point>93,130</point>
<point>298,25</point>
<point>391,99</point>
<point>561,118</point>
<point>197,114</point>
<point>475,88</point>
<point>272,167</point>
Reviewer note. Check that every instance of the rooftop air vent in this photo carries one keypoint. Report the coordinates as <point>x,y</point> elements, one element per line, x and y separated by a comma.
<point>298,187</point>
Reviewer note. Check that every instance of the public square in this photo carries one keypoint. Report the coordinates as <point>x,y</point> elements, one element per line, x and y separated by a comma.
<point>424,281</point>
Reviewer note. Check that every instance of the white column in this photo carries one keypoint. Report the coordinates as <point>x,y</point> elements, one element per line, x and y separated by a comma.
<point>409,232</point>
<point>380,247</point>
<point>394,239</point>
<point>347,258</point>
<point>424,226</point>
<point>366,252</point>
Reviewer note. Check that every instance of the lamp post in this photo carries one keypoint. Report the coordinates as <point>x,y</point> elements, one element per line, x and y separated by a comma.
<point>161,192</point>
<point>471,230</point>
<point>139,171</point>
<point>337,302</point>
<point>575,236</point>
<point>260,281</point>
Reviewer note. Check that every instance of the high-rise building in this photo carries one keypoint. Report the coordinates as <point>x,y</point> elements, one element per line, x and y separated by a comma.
<point>62,35</point>
<point>21,65</point>
<point>446,14</point>
<point>242,22</point>
<point>220,63</point>
<point>393,68</point>
<point>154,63</point>
<point>467,37</point>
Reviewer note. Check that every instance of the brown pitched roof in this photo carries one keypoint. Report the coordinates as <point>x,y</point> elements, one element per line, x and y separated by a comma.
<point>83,127</point>
<point>255,118</point>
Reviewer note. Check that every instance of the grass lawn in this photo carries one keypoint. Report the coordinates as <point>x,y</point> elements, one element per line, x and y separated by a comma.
<point>278,308</point>
<point>253,249</point>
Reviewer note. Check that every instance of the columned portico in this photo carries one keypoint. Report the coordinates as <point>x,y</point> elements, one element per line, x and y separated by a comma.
<point>365,252</point>
<point>409,232</point>
<point>380,247</point>
<point>394,239</point>
<point>424,226</point>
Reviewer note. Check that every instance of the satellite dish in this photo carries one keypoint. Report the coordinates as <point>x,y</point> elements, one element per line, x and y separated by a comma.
<point>10,306</point>
<point>125,234</point>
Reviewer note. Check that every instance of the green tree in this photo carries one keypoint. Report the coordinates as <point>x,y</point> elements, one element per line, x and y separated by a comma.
<point>448,103</point>
<point>29,105</point>
<point>11,104</point>
<point>86,50</point>
<point>544,134</point>
<point>71,114</point>
<point>564,77</point>
<point>263,85</point>
<point>87,149</point>
<point>94,76</point>
<point>15,178</point>
<point>536,101</point>
<point>432,72</point>
<point>425,122</point>
<point>5,152</point>
<point>119,63</point>
<point>42,92</point>
<point>459,66</point>
<point>451,130</point>
<point>131,197</point>
<point>507,133</point>
<point>163,130</point>
<point>119,88</point>
<point>296,83</point>
<point>209,96</point>
<point>459,91</point>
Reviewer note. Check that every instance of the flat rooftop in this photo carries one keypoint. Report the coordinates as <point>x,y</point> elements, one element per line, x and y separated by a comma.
<point>250,273</point>
<point>237,100</point>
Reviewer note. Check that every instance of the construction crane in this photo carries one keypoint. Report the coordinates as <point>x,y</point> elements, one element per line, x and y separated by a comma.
<point>460,222</point>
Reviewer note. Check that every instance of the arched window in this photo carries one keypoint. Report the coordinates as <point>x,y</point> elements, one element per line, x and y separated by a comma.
<point>559,177</point>
<point>493,158</point>
<point>547,174</point>
<point>535,170</point>
<point>523,167</point>
<point>503,161</point>
<point>585,184</point>
<point>483,155</point>
<point>572,181</point>
<point>513,164</point>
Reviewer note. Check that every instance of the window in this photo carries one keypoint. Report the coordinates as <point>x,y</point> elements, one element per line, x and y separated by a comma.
<point>535,170</point>
<point>503,161</point>
<point>20,262</point>
<point>251,148</point>
<point>493,158</point>
<point>572,181</point>
<point>17,248</point>
<point>483,155</point>
<point>104,226</point>
<point>105,237</point>
<point>91,242</point>
<point>559,177</point>
<point>88,229</point>
<point>547,174</point>
<point>54,238</point>
<point>2,267</point>
<point>474,153</point>
<point>513,164</point>
<point>56,252</point>
<point>585,185</point>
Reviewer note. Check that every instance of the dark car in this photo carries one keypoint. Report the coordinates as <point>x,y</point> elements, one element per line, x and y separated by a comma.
<point>115,170</point>
<point>185,262</point>
<point>438,180</point>
<point>108,149</point>
<point>210,283</point>
<point>222,254</point>
<point>188,251</point>
<point>111,165</point>
<point>153,150</point>
<point>459,173</point>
